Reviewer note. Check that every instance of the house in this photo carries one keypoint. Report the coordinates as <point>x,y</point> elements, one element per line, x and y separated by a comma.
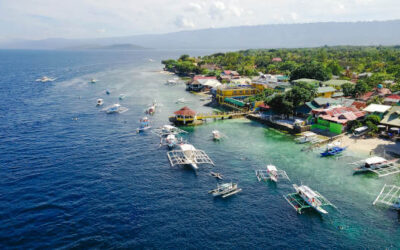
<point>392,117</point>
<point>337,84</point>
<point>335,119</point>
<point>325,92</point>
<point>321,102</point>
<point>230,73</point>
<point>203,84</point>
<point>392,100</point>
<point>365,97</point>
<point>276,59</point>
<point>312,82</point>
<point>377,109</point>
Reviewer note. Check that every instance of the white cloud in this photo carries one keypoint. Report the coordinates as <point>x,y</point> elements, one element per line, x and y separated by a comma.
<point>183,22</point>
<point>195,7</point>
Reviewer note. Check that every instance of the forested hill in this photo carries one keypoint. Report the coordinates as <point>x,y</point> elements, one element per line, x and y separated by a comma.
<point>245,37</point>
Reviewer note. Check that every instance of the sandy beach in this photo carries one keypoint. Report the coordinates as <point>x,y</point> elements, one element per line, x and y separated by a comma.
<point>373,146</point>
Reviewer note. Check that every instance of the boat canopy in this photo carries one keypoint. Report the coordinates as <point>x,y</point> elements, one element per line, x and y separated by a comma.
<point>374,160</point>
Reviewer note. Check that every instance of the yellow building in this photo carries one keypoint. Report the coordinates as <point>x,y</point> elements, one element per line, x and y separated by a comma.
<point>326,92</point>
<point>237,92</point>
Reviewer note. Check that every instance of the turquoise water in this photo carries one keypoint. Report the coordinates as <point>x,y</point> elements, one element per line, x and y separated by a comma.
<point>93,182</point>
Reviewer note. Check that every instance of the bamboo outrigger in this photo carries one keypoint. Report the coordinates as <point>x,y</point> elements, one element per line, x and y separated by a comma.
<point>390,196</point>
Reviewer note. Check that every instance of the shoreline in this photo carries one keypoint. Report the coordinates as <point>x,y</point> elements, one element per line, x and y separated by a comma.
<point>370,146</point>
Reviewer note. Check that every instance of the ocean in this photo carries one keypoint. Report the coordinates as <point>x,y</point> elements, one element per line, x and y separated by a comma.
<point>72,176</point>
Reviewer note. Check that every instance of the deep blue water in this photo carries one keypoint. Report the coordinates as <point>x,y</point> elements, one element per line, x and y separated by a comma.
<point>72,176</point>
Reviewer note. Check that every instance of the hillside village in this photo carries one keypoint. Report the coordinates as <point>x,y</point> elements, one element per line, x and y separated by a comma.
<point>304,89</point>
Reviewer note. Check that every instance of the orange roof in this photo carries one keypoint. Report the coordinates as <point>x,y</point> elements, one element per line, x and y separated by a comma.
<point>185,111</point>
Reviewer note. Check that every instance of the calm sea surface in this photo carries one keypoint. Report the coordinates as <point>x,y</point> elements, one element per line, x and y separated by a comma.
<point>74,177</point>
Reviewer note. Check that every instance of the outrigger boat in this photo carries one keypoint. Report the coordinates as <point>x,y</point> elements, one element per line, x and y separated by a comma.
<point>100,102</point>
<point>144,125</point>
<point>188,155</point>
<point>172,82</point>
<point>167,130</point>
<point>92,80</point>
<point>389,196</point>
<point>307,137</point>
<point>216,175</point>
<point>225,190</point>
<point>271,173</point>
<point>333,149</point>
<point>216,135</point>
<point>180,100</point>
<point>121,97</point>
<point>377,165</point>
<point>115,108</point>
<point>305,197</point>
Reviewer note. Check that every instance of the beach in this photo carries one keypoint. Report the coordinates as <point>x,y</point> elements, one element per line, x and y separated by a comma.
<point>369,146</point>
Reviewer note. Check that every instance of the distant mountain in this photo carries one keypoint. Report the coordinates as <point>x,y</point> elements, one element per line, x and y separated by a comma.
<point>125,46</point>
<point>243,37</point>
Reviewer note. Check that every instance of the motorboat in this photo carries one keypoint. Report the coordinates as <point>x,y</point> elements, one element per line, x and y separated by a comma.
<point>305,197</point>
<point>151,109</point>
<point>271,173</point>
<point>225,190</point>
<point>115,108</point>
<point>108,92</point>
<point>92,80</point>
<point>172,81</point>
<point>216,175</point>
<point>121,97</point>
<point>187,154</point>
<point>144,125</point>
<point>180,100</point>
<point>45,79</point>
<point>99,102</point>
<point>216,135</point>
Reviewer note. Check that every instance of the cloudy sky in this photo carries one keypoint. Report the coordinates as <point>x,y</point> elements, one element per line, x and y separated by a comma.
<point>38,19</point>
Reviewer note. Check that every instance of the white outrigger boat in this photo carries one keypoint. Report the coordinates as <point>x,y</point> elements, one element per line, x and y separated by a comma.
<point>92,80</point>
<point>144,125</point>
<point>216,135</point>
<point>99,102</point>
<point>271,173</point>
<point>121,97</point>
<point>389,196</point>
<point>308,137</point>
<point>115,108</point>
<point>167,130</point>
<point>188,155</point>
<point>45,79</point>
<point>172,81</point>
<point>378,165</point>
<point>225,190</point>
<point>305,197</point>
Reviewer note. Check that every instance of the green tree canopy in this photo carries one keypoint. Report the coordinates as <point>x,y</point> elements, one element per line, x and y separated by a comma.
<point>311,70</point>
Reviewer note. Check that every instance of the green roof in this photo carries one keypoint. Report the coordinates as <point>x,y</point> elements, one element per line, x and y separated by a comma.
<point>321,90</point>
<point>392,118</point>
<point>336,82</point>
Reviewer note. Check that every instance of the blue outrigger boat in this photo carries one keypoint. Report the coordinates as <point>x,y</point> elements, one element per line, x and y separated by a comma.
<point>332,151</point>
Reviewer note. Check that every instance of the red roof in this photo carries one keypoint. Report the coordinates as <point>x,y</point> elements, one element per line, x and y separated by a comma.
<point>366,96</point>
<point>204,77</point>
<point>185,111</point>
<point>339,114</point>
<point>359,105</point>
<point>277,59</point>
<point>395,97</point>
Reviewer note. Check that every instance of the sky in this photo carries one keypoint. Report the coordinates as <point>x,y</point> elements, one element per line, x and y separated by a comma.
<point>40,19</point>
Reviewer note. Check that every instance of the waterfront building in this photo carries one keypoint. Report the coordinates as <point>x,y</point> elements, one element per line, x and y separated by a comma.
<point>335,119</point>
<point>203,84</point>
<point>392,117</point>
<point>377,109</point>
<point>234,94</point>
